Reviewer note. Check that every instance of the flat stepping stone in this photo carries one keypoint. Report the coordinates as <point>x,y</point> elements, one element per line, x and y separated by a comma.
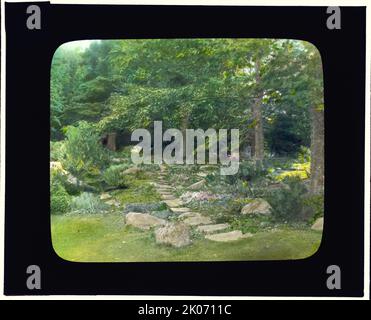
<point>164,186</point>
<point>228,236</point>
<point>166,193</point>
<point>212,228</point>
<point>173,203</point>
<point>163,190</point>
<point>180,210</point>
<point>197,220</point>
<point>167,197</point>
<point>188,215</point>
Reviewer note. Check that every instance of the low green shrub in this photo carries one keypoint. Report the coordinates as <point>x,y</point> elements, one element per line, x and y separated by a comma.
<point>88,203</point>
<point>57,150</point>
<point>59,198</point>
<point>113,176</point>
<point>251,223</point>
<point>316,205</point>
<point>288,203</point>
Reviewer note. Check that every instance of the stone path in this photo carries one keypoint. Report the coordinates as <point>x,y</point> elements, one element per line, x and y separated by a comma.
<point>202,223</point>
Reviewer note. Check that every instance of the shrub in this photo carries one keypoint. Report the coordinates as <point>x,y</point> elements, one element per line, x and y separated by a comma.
<point>288,203</point>
<point>88,203</point>
<point>251,223</point>
<point>59,197</point>
<point>85,154</point>
<point>57,150</point>
<point>113,175</point>
<point>248,171</point>
<point>316,205</point>
<point>304,154</point>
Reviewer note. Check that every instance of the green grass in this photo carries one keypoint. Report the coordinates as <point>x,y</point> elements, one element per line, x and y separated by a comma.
<point>105,238</point>
<point>138,191</point>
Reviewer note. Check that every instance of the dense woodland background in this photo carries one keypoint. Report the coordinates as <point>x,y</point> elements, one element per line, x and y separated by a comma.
<point>271,90</point>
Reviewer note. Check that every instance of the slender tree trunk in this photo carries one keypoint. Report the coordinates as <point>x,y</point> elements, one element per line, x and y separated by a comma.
<point>317,167</point>
<point>184,126</point>
<point>111,141</point>
<point>258,118</point>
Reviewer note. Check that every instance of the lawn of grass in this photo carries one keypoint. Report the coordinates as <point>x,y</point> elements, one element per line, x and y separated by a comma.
<point>105,238</point>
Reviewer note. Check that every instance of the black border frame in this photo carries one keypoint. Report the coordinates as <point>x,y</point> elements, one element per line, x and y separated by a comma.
<point>27,223</point>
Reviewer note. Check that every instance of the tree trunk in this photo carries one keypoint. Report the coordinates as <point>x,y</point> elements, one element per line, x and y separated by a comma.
<point>317,151</point>
<point>111,141</point>
<point>258,118</point>
<point>184,127</point>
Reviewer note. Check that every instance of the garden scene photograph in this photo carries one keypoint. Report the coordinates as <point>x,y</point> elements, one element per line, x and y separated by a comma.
<point>178,150</point>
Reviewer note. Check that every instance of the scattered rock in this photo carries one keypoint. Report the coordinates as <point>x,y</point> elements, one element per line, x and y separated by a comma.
<point>105,196</point>
<point>143,220</point>
<point>228,236</point>
<point>202,174</point>
<point>118,160</point>
<point>257,206</point>
<point>132,170</point>
<point>211,228</point>
<point>113,202</point>
<point>175,234</point>
<point>197,185</point>
<point>197,220</point>
<point>318,225</point>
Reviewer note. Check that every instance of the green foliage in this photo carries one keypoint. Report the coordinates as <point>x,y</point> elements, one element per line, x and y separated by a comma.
<point>316,205</point>
<point>88,203</point>
<point>284,137</point>
<point>138,191</point>
<point>84,152</point>
<point>113,176</point>
<point>59,198</point>
<point>248,171</point>
<point>304,155</point>
<point>57,150</point>
<point>288,203</point>
<point>251,223</point>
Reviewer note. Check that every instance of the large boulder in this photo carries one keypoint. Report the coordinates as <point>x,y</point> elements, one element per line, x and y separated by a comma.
<point>318,225</point>
<point>257,206</point>
<point>174,234</point>
<point>143,221</point>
